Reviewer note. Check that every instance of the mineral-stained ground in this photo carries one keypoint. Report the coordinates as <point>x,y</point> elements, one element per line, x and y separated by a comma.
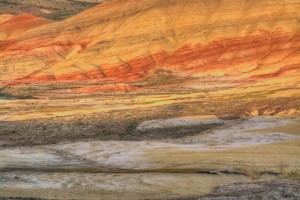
<point>151,99</point>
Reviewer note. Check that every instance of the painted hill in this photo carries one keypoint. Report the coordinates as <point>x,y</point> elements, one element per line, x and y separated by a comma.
<point>127,40</point>
<point>13,26</point>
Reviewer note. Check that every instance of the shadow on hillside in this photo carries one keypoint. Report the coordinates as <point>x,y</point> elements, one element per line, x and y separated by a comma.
<point>4,96</point>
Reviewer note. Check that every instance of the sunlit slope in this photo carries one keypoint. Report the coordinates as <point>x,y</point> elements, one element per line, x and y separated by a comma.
<point>12,26</point>
<point>128,40</point>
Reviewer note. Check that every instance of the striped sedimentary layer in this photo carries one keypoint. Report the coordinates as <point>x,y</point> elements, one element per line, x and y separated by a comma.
<point>127,40</point>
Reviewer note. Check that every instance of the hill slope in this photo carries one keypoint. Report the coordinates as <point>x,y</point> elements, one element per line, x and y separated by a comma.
<point>128,40</point>
<point>54,9</point>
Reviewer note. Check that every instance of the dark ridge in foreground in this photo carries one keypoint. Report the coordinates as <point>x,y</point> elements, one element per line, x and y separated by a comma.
<point>20,198</point>
<point>254,191</point>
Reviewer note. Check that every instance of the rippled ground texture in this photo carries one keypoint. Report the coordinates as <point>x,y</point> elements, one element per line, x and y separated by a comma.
<point>146,146</point>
